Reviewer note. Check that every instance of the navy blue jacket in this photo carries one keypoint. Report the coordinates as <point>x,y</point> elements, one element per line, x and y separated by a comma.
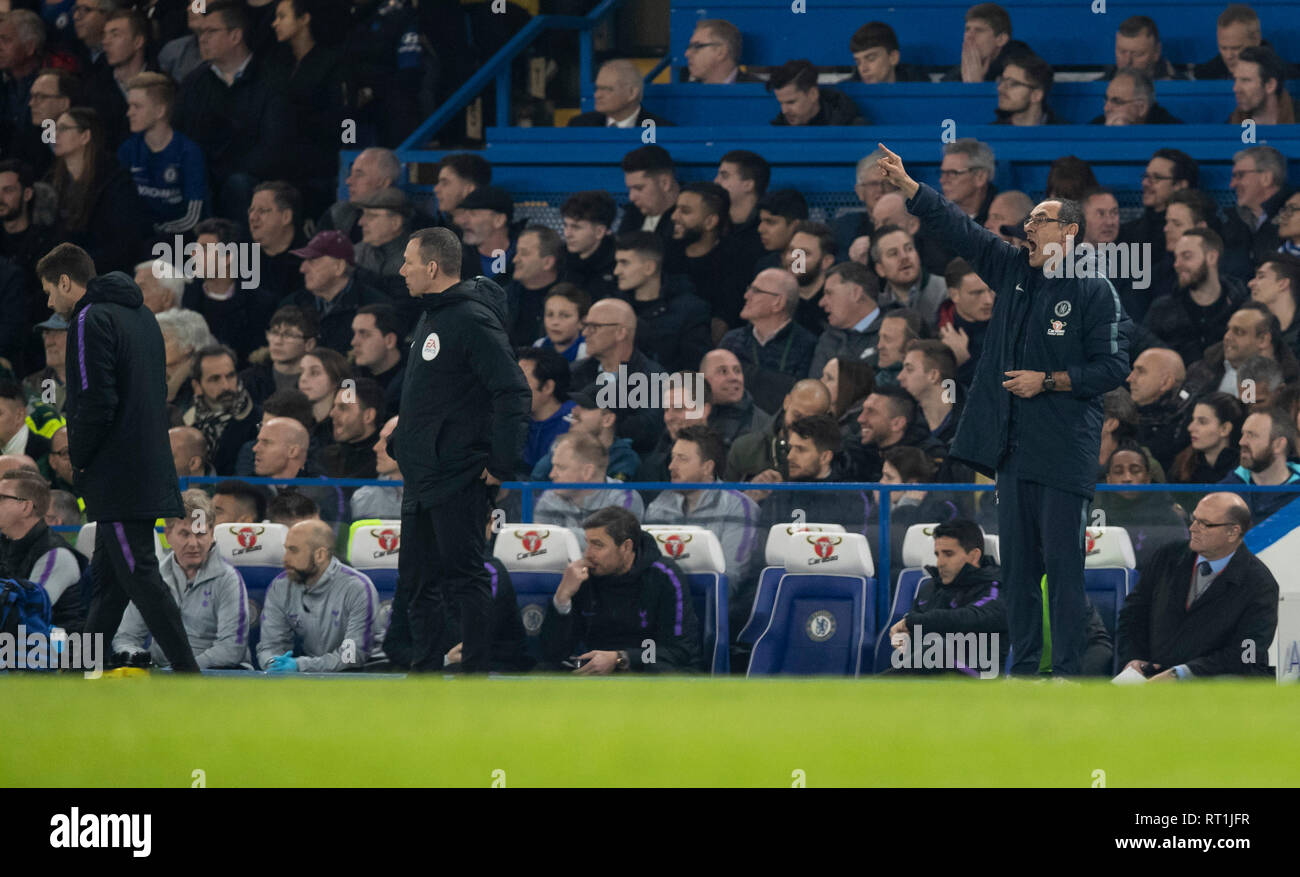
<point>1075,325</point>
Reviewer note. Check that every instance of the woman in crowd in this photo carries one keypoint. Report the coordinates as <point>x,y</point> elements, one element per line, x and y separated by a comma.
<point>323,373</point>
<point>850,381</point>
<point>1214,430</point>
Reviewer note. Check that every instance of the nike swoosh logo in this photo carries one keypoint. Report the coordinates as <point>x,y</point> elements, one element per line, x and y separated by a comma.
<point>1018,289</point>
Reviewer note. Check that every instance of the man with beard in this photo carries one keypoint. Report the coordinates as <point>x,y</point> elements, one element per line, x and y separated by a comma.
<point>23,241</point>
<point>1251,332</point>
<point>701,251</point>
<point>890,209</point>
<point>356,416</point>
<point>1259,83</point>
<point>808,256</point>
<point>223,411</point>
<point>320,607</point>
<point>1192,317</point>
<point>60,473</point>
<point>906,282</point>
<point>589,262</point>
<point>1168,171</point>
<point>964,317</point>
<point>760,455</point>
<point>1022,92</point>
<point>624,591</point>
<point>483,217</point>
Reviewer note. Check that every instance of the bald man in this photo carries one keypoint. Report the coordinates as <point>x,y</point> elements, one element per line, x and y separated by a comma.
<point>9,462</point>
<point>320,616</point>
<point>189,451</point>
<point>1204,607</point>
<point>772,342</point>
<point>1164,406</point>
<point>1008,208</point>
<point>612,356</point>
<point>281,448</point>
<point>619,87</point>
<point>759,455</point>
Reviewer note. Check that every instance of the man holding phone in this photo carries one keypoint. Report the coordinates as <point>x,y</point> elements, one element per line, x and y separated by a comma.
<point>624,602</point>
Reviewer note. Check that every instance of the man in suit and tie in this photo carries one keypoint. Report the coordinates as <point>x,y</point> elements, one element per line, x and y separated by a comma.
<point>1205,607</point>
<point>619,89</point>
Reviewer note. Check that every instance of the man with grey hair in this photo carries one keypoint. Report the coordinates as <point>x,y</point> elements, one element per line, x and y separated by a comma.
<point>852,315</point>
<point>210,592</point>
<point>183,332</point>
<point>1259,181</point>
<point>1259,379</point>
<point>619,89</point>
<point>161,286</point>
<point>1131,100</point>
<point>1033,416</point>
<point>374,170</point>
<point>22,46</point>
<point>966,177</point>
<point>869,187</point>
<point>713,54</point>
<point>580,458</point>
<point>770,338</point>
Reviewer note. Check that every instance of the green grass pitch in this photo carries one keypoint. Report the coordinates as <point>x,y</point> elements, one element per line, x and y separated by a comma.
<point>158,731</point>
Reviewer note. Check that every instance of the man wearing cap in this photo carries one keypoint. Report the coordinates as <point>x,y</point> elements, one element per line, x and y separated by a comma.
<point>385,228</point>
<point>588,416</point>
<point>332,288</point>
<point>46,386</point>
<point>484,217</point>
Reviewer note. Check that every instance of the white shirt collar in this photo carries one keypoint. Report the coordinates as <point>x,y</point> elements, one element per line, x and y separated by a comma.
<point>629,122</point>
<point>18,444</point>
<point>861,325</point>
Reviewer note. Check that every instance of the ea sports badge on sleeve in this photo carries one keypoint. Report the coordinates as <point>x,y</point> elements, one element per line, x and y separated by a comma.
<point>431,347</point>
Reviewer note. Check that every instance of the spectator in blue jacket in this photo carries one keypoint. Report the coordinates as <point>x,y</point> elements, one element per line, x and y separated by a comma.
<point>547,373</point>
<point>1055,344</point>
<point>170,174</point>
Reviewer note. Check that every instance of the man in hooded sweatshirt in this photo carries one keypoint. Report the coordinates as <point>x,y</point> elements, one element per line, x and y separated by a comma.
<point>118,444</point>
<point>465,412</point>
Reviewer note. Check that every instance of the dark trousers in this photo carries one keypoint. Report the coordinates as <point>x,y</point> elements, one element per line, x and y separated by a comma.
<point>125,568</point>
<point>440,566</point>
<point>1041,531</point>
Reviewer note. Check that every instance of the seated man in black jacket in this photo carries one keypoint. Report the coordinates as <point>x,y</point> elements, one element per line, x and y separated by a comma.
<point>803,102</point>
<point>672,321</point>
<point>622,606</point>
<point>960,599</point>
<point>1207,607</point>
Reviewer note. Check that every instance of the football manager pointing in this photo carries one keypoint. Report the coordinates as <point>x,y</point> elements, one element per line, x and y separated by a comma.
<point>1033,417</point>
<point>465,411</point>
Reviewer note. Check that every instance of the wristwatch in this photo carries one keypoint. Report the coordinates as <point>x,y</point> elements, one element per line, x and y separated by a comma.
<point>620,660</point>
<point>1049,383</point>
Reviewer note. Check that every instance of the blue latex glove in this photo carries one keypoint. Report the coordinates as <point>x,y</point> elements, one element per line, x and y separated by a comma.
<point>283,664</point>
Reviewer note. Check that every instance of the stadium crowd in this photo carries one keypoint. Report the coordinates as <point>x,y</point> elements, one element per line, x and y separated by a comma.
<point>800,350</point>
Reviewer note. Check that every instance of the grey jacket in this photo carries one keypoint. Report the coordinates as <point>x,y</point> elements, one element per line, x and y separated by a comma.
<point>924,297</point>
<point>730,514</point>
<point>846,342</point>
<point>564,512</point>
<point>214,608</point>
<point>334,625</point>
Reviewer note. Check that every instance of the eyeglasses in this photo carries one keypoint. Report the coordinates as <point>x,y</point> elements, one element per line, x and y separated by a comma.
<point>14,498</point>
<point>1200,522</point>
<point>1035,221</point>
<point>753,288</point>
<point>589,327</point>
<point>63,453</point>
<point>1286,210</point>
<point>1156,178</point>
<point>284,336</point>
<point>1236,175</point>
<point>957,173</point>
<point>695,47</point>
<point>1014,83</point>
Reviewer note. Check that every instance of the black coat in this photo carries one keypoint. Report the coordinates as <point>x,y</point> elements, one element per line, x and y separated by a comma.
<point>336,326</point>
<point>970,603</point>
<point>835,108</point>
<point>1058,433</point>
<point>1210,638</point>
<point>594,119</point>
<point>15,327</point>
<point>1162,426</point>
<point>239,321</point>
<point>465,402</point>
<point>594,275</point>
<point>674,328</point>
<point>116,406</point>
<point>1188,328</point>
<point>116,225</point>
<point>641,425</point>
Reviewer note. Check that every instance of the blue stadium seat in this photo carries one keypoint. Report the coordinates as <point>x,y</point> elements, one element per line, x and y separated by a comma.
<point>256,551</point>
<point>779,538</point>
<point>535,555</point>
<point>373,548</point>
<point>698,553</point>
<point>1109,574</point>
<point>819,619</point>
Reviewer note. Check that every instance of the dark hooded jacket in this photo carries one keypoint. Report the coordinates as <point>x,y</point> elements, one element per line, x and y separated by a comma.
<point>1039,323</point>
<point>971,603</point>
<point>834,108</point>
<point>465,402</point>
<point>116,406</point>
<point>651,601</point>
<point>1188,328</point>
<point>673,329</point>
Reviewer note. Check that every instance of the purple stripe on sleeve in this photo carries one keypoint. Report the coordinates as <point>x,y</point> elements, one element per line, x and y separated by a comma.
<point>677,586</point>
<point>627,499</point>
<point>121,540</point>
<point>49,568</point>
<point>989,598</point>
<point>81,345</point>
<point>492,570</point>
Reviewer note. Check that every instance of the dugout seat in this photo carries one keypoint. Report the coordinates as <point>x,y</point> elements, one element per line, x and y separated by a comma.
<point>373,546</point>
<point>698,553</point>
<point>535,555</point>
<point>779,537</point>
<point>1109,572</point>
<point>85,542</point>
<point>819,618</point>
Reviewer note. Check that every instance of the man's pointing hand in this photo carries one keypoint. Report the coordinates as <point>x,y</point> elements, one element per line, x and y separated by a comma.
<point>891,167</point>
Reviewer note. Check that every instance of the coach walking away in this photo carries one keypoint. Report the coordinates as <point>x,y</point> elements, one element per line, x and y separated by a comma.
<point>1033,418</point>
<point>465,411</point>
<point>118,444</point>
